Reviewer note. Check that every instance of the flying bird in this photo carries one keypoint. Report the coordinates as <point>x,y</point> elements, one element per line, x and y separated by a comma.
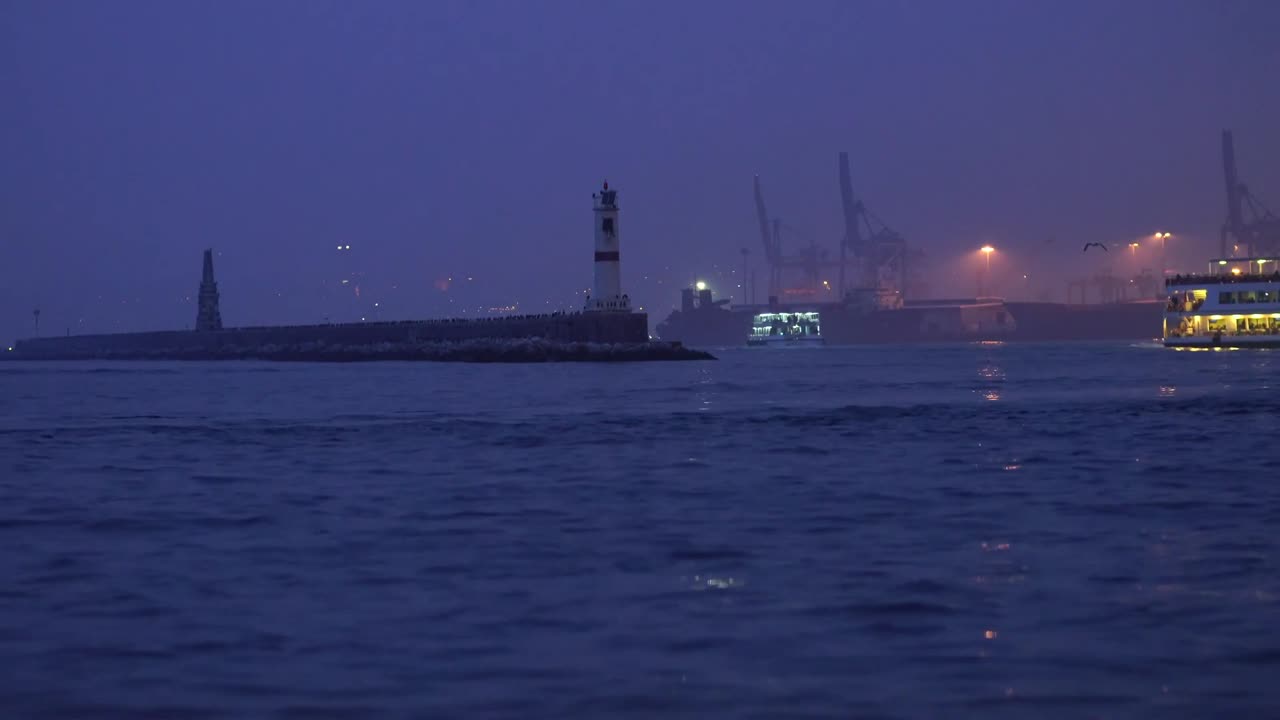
<point>1089,245</point>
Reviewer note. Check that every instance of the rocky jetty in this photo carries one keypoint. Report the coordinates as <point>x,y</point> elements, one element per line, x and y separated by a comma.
<point>529,350</point>
<point>522,350</point>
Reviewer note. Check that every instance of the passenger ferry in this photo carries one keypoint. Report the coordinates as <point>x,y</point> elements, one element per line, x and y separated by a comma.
<point>1236,304</point>
<point>785,329</point>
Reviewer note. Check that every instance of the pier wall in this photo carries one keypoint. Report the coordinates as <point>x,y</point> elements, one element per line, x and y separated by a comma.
<point>575,327</point>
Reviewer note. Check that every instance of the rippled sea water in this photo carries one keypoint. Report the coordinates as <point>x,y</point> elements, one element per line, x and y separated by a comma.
<point>1079,530</point>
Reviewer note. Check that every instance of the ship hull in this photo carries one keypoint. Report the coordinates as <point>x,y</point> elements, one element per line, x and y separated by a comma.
<point>930,322</point>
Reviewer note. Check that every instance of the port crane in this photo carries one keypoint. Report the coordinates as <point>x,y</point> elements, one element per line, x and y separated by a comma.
<point>879,254</point>
<point>1249,222</point>
<point>809,260</point>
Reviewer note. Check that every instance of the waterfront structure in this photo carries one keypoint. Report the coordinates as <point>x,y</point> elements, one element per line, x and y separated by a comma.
<point>1235,304</point>
<point>606,331</point>
<point>208,316</point>
<point>607,295</point>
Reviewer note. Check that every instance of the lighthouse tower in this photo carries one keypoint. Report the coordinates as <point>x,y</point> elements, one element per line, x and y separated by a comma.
<point>607,294</point>
<point>207,315</point>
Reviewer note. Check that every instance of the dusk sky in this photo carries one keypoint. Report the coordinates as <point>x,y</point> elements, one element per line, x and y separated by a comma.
<point>464,139</point>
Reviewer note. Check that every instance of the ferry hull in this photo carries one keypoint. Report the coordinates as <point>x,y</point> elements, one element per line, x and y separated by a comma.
<point>787,342</point>
<point>1225,344</point>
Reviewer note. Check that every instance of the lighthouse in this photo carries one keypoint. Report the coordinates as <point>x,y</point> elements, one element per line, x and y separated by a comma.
<point>607,295</point>
<point>208,316</point>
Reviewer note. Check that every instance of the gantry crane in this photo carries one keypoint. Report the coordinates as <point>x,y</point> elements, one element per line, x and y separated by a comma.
<point>1249,222</point>
<point>879,255</point>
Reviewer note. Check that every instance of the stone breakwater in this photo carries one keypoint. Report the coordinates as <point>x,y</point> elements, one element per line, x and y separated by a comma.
<point>594,337</point>
<point>531,350</point>
<point>526,350</point>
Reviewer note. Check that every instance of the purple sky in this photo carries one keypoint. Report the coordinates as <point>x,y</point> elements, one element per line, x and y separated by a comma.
<point>463,139</point>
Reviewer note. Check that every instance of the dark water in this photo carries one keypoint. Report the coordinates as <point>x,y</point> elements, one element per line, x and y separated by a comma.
<point>965,531</point>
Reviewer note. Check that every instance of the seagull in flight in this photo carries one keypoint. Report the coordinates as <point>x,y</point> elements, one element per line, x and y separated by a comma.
<point>1095,244</point>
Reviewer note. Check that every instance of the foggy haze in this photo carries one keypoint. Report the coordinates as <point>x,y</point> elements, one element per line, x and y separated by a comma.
<point>455,146</point>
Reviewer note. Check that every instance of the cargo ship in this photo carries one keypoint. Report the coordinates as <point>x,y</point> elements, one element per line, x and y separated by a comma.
<point>703,321</point>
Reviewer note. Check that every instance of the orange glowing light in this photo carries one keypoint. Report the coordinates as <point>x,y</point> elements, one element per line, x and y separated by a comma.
<point>990,634</point>
<point>987,249</point>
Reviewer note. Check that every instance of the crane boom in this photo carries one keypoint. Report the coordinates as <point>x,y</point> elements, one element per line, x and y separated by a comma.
<point>1248,221</point>
<point>762,216</point>
<point>853,234</point>
<point>1235,216</point>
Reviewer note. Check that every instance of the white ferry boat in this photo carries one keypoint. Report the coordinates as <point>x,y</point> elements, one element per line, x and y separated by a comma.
<point>1235,305</point>
<point>785,329</point>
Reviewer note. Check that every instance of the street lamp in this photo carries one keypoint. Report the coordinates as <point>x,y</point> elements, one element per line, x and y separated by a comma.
<point>1133,249</point>
<point>986,250</point>
<point>1162,237</point>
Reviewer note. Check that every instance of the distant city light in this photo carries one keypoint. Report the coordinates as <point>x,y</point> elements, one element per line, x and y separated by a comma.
<point>700,285</point>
